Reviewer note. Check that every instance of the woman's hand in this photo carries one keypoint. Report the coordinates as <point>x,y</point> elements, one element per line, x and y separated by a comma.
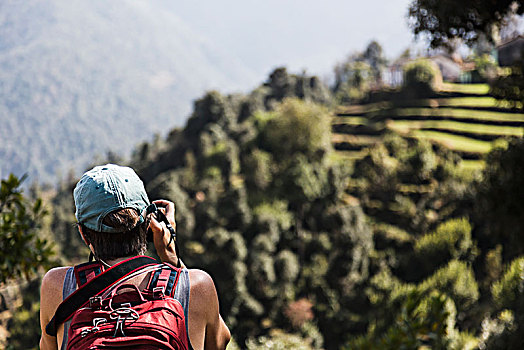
<point>161,235</point>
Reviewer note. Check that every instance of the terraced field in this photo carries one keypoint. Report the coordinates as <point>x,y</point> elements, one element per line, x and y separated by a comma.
<point>462,118</point>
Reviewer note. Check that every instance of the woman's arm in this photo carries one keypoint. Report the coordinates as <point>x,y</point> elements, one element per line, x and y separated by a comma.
<point>207,329</point>
<point>50,298</point>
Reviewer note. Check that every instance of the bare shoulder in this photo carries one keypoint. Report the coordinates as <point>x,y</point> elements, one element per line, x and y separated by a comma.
<point>53,281</point>
<point>56,273</point>
<point>200,277</point>
<point>202,284</point>
<point>203,297</point>
<point>51,290</point>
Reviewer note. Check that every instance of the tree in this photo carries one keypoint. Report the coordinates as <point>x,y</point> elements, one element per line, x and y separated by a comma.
<point>23,251</point>
<point>499,206</point>
<point>297,128</point>
<point>421,78</point>
<point>446,20</point>
<point>65,235</point>
<point>374,56</point>
<point>360,72</point>
<point>352,80</point>
<point>422,322</point>
<point>23,327</point>
<point>282,85</point>
<point>506,330</point>
<point>416,184</point>
<point>512,24</point>
<point>508,88</point>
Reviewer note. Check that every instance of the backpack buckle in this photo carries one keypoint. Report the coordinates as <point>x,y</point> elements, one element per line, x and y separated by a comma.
<point>158,292</point>
<point>95,302</point>
<point>95,328</point>
<point>122,315</point>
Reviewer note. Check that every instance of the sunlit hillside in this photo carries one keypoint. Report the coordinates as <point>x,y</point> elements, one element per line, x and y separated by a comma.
<point>461,117</point>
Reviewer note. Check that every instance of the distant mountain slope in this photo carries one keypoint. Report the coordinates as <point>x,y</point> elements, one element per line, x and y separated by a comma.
<point>79,78</point>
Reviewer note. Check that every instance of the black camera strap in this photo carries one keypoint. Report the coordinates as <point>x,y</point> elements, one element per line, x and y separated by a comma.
<point>161,217</point>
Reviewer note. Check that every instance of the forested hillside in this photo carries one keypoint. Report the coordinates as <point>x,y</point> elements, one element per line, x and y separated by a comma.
<point>81,78</point>
<point>400,247</point>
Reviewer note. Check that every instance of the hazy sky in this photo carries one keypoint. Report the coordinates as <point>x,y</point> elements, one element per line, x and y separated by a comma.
<point>300,34</point>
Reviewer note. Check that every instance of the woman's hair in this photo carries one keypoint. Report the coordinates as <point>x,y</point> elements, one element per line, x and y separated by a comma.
<point>131,239</point>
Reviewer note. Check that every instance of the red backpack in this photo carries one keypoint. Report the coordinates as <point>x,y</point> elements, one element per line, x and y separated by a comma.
<point>107,313</point>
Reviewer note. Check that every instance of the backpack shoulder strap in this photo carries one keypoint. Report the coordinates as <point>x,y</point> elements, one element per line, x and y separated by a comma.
<point>164,279</point>
<point>95,286</point>
<point>87,271</point>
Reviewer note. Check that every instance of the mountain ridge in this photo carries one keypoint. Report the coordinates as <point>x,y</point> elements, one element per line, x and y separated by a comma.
<point>83,78</point>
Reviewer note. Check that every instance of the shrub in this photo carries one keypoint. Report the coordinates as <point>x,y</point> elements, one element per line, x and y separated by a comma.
<point>451,240</point>
<point>486,67</point>
<point>509,87</point>
<point>298,127</point>
<point>457,281</point>
<point>279,340</point>
<point>500,332</point>
<point>23,327</point>
<point>510,288</point>
<point>499,205</point>
<point>24,250</point>
<point>421,321</point>
<point>421,77</point>
<point>358,79</point>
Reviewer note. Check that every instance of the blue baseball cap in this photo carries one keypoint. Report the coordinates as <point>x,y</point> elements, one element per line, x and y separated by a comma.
<point>107,188</point>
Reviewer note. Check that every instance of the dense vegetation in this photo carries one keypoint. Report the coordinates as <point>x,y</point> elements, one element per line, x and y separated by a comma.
<point>509,87</point>
<point>446,22</point>
<point>311,250</point>
<point>24,249</point>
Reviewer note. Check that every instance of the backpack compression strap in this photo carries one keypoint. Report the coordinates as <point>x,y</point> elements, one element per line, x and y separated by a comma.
<point>97,285</point>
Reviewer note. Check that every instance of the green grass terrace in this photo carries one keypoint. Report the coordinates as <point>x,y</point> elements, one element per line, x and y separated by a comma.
<point>462,117</point>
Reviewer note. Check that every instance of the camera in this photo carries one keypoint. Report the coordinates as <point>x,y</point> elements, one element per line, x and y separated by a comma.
<point>160,217</point>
